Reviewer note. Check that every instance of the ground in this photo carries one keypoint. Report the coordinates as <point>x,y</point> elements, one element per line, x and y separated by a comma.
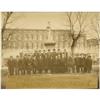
<point>53,81</point>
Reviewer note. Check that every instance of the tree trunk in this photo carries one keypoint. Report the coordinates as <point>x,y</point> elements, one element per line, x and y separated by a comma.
<point>73,47</point>
<point>72,51</point>
<point>8,15</point>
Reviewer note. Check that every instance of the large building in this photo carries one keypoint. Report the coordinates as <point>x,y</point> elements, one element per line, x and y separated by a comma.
<point>93,48</point>
<point>22,40</point>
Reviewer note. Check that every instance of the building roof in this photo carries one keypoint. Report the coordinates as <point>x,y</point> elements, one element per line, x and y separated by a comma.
<point>17,29</point>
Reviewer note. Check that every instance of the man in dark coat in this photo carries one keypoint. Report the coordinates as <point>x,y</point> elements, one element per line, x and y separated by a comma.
<point>33,64</point>
<point>29,64</point>
<point>89,64</point>
<point>54,53</point>
<point>55,64</point>
<point>45,61</point>
<point>24,61</point>
<point>76,63</point>
<point>51,64</point>
<point>20,70</point>
<point>54,60</point>
<point>40,64</point>
<point>71,64</point>
<point>79,60</point>
<point>62,63</point>
<point>66,59</point>
<point>11,64</point>
<point>84,63</point>
<point>17,65</point>
<point>49,54</point>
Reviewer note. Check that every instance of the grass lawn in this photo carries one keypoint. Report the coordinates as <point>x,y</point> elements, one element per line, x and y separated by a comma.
<point>52,81</point>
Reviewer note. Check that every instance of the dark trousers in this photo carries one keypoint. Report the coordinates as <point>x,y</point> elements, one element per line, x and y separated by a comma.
<point>21,71</point>
<point>34,70</point>
<point>28,71</point>
<point>11,71</point>
<point>16,71</point>
<point>77,69</point>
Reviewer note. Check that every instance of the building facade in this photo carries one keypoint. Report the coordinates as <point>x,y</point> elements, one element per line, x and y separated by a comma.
<point>93,48</point>
<point>34,39</point>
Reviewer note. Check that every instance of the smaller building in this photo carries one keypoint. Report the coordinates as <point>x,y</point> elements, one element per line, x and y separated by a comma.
<point>93,48</point>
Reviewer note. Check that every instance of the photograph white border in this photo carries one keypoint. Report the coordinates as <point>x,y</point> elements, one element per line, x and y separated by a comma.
<point>45,6</point>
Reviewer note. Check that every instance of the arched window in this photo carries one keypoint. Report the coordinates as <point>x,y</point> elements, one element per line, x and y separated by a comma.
<point>27,36</point>
<point>22,45</point>
<point>32,45</point>
<point>32,37</point>
<point>41,45</point>
<point>37,45</point>
<point>27,45</point>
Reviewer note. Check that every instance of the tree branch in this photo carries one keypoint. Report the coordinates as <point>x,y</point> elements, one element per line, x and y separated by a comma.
<point>6,16</point>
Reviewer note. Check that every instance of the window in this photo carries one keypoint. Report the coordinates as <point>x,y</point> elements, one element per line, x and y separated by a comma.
<point>22,45</point>
<point>37,45</point>
<point>32,45</point>
<point>41,45</point>
<point>27,36</point>
<point>14,45</point>
<point>40,36</point>
<point>37,36</point>
<point>27,46</point>
<point>32,37</point>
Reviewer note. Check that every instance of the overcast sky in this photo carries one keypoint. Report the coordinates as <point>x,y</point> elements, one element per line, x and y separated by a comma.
<point>40,21</point>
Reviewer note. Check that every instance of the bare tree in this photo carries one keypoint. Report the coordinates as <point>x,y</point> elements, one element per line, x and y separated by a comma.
<point>95,24</point>
<point>77,25</point>
<point>5,20</point>
<point>6,16</point>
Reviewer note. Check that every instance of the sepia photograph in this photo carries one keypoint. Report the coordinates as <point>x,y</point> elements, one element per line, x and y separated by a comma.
<point>50,50</point>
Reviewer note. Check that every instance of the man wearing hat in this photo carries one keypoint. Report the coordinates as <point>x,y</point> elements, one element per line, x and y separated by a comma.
<point>17,65</point>
<point>11,64</point>
<point>89,64</point>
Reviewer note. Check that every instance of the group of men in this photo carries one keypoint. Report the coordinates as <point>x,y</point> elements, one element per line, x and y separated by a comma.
<point>49,62</point>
